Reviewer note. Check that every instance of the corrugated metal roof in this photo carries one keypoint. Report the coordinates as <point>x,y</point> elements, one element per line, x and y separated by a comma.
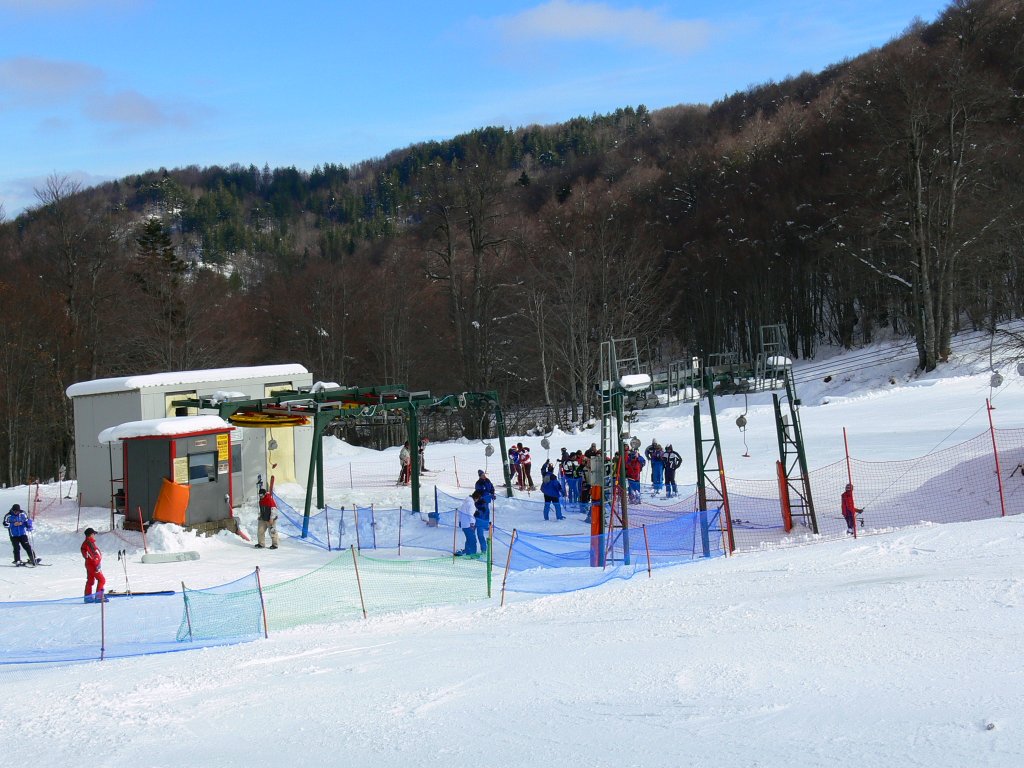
<point>181,378</point>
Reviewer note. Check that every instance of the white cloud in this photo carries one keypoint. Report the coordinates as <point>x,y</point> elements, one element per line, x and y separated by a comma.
<point>131,108</point>
<point>35,80</point>
<point>68,87</point>
<point>635,27</point>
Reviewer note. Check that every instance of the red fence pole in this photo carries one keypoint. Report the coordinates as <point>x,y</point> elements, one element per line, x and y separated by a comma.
<point>508,562</point>
<point>995,452</point>
<point>787,511</point>
<point>142,528</point>
<point>725,506</point>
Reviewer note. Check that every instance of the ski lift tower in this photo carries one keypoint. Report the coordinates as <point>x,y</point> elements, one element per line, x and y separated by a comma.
<point>620,374</point>
<point>773,357</point>
<point>710,465</point>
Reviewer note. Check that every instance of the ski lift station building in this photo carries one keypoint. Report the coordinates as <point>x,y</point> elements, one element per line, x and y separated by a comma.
<point>105,403</point>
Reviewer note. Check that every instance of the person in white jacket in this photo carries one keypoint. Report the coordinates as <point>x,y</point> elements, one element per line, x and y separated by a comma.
<point>465,519</point>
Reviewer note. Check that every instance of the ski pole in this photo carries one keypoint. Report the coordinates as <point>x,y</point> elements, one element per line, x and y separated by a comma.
<point>122,555</point>
<point>34,553</point>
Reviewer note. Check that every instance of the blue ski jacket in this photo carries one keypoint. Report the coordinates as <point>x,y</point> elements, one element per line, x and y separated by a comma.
<point>18,522</point>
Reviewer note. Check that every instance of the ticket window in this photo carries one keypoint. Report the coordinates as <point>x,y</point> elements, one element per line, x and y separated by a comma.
<point>202,468</point>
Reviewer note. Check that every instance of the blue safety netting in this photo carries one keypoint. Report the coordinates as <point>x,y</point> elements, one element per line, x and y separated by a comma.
<point>70,630</point>
<point>552,563</point>
<point>224,613</point>
<point>318,532</point>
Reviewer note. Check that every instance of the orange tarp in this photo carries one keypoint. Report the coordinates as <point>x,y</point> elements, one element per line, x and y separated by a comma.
<point>172,503</point>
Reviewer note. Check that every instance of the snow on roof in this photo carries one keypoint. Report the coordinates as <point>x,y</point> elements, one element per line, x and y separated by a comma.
<point>180,425</point>
<point>161,380</point>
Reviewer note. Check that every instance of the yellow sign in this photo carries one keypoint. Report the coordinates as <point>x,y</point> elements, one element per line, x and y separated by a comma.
<point>181,470</point>
<point>223,447</point>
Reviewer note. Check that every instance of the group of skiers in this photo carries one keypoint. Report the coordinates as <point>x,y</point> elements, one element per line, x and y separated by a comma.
<point>521,463</point>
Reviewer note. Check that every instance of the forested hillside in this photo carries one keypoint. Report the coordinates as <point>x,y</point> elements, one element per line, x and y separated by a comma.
<point>882,193</point>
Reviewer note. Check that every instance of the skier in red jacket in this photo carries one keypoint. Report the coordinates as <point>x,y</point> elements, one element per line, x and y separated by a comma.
<point>93,568</point>
<point>850,511</point>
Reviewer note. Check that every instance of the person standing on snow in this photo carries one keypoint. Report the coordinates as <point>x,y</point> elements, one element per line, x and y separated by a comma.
<point>484,485</point>
<point>465,518</point>
<point>482,525</point>
<point>422,450</point>
<point>93,568</point>
<point>634,466</point>
<point>656,456</point>
<point>513,460</point>
<point>552,490</point>
<point>850,510</point>
<point>268,521</point>
<point>18,524</point>
<point>526,463</point>
<point>405,460</point>
<point>672,462</point>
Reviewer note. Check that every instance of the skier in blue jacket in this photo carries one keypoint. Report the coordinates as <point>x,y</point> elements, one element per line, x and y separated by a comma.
<point>18,524</point>
<point>484,485</point>
<point>552,490</point>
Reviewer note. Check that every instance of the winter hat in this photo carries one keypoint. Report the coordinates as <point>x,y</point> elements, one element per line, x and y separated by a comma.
<point>16,508</point>
<point>480,473</point>
<point>89,532</point>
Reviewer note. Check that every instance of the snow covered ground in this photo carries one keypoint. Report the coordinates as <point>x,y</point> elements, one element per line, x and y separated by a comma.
<point>897,649</point>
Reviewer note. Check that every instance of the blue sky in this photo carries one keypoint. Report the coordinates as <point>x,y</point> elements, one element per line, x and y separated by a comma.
<point>99,89</point>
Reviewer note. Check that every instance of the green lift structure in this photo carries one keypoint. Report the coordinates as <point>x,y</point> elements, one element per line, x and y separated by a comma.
<point>322,406</point>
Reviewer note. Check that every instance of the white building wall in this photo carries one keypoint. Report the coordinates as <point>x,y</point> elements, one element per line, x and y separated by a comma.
<point>96,410</point>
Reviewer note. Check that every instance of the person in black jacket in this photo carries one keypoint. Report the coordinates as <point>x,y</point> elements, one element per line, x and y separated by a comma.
<point>672,461</point>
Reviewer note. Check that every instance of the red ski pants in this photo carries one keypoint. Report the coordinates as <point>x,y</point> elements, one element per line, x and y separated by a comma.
<point>93,575</point>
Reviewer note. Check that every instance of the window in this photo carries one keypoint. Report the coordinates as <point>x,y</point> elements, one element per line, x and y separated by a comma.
<point>202,468</point>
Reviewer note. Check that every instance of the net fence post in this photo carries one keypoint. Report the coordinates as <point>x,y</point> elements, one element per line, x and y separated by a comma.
<point>647,546</point>
<point>490,555</point>
<point>705,533</point>
<point>263,604</point>
<point>103,626</point>
<point>359,582</point>
<point>995,453</point>
<point>508,562</point>
<point>188,614</point>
